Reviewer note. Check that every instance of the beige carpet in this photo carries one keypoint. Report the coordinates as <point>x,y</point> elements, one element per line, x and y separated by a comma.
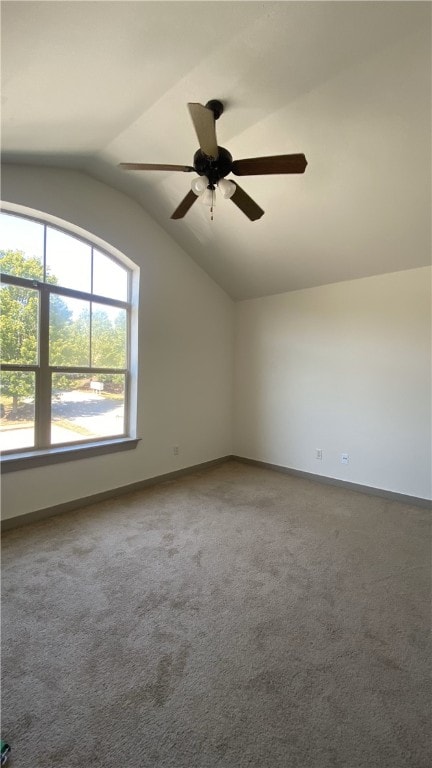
<point>236,617</point>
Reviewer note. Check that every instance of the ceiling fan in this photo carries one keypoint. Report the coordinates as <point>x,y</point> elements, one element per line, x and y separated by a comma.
<point>213,163</point>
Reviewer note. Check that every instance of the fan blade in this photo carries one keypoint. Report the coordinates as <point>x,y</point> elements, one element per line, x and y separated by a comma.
<point>184,206</point>
<point>246,204</point>
<point>204,124</point>
<point>255,166</point>
<point>154,167</point>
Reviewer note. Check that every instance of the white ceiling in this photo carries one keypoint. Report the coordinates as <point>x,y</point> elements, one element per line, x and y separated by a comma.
<point>90,84</point>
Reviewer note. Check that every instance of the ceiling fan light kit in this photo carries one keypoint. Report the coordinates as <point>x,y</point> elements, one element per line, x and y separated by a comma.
<point>213,163</point>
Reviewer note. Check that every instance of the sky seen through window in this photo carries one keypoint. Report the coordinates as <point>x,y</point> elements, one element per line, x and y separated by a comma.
<point>67,257</point>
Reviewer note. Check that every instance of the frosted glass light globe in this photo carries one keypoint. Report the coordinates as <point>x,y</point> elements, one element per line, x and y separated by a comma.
<point>209,197</point>
<point>226,187</point>
<point>199,185</point>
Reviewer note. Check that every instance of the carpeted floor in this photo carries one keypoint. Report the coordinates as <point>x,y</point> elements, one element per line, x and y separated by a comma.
<point>236,617</point>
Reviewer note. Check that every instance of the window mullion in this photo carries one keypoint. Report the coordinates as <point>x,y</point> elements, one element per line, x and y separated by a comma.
<point>43,401</point>
<point>91,335</point>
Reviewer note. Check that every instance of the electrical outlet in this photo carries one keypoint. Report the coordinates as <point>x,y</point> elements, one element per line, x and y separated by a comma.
<point>345,458</point>
<point>318,453</point>
<point>176,450</point>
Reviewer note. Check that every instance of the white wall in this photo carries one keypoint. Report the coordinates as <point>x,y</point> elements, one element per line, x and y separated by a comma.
<point>343,367</point>
<point>185,345</point>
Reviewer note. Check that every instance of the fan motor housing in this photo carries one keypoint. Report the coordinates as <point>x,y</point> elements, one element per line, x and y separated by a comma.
<point>213,169</point>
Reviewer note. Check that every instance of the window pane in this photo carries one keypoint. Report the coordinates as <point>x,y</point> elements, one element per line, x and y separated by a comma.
<point>109,278</point>
<point>108,336</point>
<point>17,410</point>
<point>21,246</point>
<point>84,408</point>
<point>68,261</point>
<point>19,308</point>
<point>69,331</point>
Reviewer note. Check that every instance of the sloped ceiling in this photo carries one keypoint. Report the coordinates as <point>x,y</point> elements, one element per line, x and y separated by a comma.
<point>90,84</point>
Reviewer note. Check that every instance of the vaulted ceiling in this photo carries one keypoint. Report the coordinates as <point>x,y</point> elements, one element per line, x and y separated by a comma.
<point>87,85</point>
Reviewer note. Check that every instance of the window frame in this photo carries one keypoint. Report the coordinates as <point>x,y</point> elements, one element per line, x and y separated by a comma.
<point>44,452</point>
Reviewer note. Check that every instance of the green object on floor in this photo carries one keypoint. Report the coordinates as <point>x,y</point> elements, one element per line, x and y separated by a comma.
<point>4,752</point>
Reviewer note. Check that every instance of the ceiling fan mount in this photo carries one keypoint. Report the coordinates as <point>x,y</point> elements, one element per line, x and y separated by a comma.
<point>216,107</point>
<point>212,163</point>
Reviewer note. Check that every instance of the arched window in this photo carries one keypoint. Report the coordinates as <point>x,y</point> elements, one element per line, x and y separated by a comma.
<point>65,341</point>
